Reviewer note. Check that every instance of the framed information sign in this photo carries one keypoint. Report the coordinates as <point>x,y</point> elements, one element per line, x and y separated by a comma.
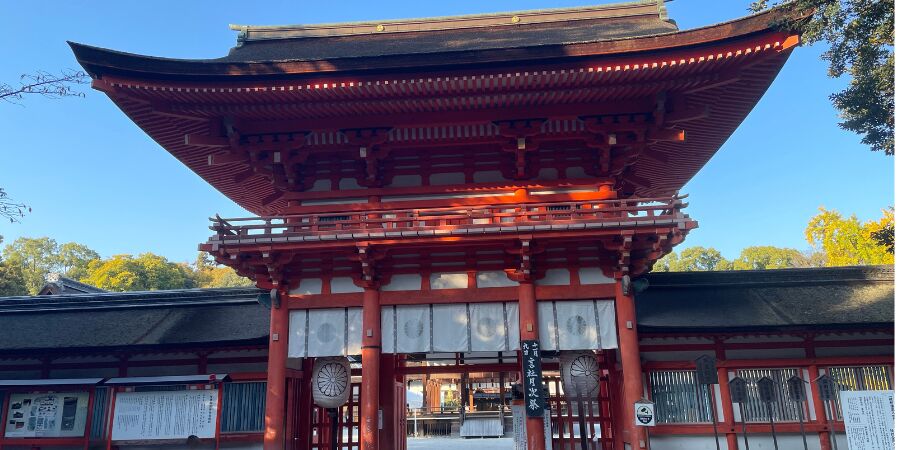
<point>165,415</point>
<point>58,414</point>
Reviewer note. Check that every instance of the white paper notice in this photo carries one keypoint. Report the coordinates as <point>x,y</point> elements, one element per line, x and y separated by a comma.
<point>165,415</point>
<point>518,416</point>
<point>869,419</point>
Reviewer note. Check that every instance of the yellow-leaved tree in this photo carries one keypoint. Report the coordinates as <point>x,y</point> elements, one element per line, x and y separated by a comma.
<point>847,241</point>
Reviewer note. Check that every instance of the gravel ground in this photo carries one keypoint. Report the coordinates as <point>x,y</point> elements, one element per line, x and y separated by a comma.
<point>459,444</point>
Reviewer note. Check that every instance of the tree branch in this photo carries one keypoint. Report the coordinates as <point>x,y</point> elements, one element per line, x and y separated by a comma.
<point>10,209</point>
<point>45,84</point>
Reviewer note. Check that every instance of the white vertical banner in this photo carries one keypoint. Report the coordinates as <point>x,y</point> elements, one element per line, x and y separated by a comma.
<point>577,325</point>
<point>354,331</point>
<point>297,337</point>
<point>606,318</point>
<point>327,332</point>
<point>388,329</point>
<point>450,327</point>
<point>413,329</point>
<point>512,325</point>
<point>488,327</point>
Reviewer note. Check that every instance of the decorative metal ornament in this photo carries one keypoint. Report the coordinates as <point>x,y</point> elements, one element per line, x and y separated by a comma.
<point>331,381</point>
<point>580,373</point>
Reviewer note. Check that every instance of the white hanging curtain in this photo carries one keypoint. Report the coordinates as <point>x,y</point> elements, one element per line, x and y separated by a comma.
<point>466,327</point>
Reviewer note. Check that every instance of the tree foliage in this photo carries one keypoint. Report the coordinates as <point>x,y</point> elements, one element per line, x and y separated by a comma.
<point>860,36</point>
<point>11,280</point>
<point>35,258</point>
<point>770,257</point>
<point>847,241</point>
<point>210,275</point>
<point>26,262</point>
<point>145,272</point>
<point>693,259</point>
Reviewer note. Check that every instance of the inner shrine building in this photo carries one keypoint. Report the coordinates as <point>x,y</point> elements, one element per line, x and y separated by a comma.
<point>432,195</point>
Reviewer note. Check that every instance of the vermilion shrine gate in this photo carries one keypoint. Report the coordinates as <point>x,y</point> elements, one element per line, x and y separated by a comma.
<point>446,188</point>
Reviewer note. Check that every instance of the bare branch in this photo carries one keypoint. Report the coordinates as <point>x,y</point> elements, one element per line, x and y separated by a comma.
<point>10,209</point>
<point>45,84</point>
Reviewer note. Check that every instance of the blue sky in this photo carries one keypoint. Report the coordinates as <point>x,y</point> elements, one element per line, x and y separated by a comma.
<point>93,177</point>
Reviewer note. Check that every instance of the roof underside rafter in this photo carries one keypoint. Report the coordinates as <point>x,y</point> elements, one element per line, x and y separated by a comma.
<point>709,84</point>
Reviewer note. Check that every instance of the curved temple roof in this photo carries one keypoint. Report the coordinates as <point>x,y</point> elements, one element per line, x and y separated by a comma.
<point>556,64</point>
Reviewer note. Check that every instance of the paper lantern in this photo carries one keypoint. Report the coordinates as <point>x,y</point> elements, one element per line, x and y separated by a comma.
<point>331,381</point>
<point>580,373</point>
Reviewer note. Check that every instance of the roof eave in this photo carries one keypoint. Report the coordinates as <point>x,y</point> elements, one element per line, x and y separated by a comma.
<point>99,61</point>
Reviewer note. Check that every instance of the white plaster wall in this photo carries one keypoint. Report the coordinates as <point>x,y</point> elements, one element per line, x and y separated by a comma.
<point>593,275</point>
<point>493,278</point>
<point>162,371</point>
<point>449,280</point>
<point>308,286</point>
<point>488,176</point>
<point>555,277</point>
<point>854,351</point>
<point>404,282</point>
<point>442,179</point>
<point>342,285</point>
<point>769,353</point>
<point>406,181</point>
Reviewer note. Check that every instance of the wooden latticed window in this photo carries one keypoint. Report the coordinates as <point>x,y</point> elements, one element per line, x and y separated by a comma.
<point>783,408</point>
<point>678,397</point>
<point>100,413</point>
<point>243,407</point>
<point>860,378</point>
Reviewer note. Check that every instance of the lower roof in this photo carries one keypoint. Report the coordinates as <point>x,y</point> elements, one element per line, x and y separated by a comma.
<point>734,301</point>
<point>834,297</point>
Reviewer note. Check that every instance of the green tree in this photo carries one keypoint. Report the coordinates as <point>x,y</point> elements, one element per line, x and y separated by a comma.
<point>35,258</point>
<point>847,241</point>
<point>770,257</point>
<point>146,272</point>
<point>73,259</point>
<point>208,274</point>
<point>693,259</point>
<point>11,280</point>
<point>860,36</point>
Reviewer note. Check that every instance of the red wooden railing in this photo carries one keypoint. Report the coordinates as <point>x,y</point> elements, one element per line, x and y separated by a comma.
<point>455,220</point>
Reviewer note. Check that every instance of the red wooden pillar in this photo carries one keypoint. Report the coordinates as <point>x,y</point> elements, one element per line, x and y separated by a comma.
<point>387,398</point>
<point>727,405</point>
<point>273,438</point>
<point>371,363</point>
<point>528,330</point>
<point>632,387</point>
<point>819,408</point>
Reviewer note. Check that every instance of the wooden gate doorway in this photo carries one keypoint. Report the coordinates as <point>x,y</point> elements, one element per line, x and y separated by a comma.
<point>466,388</point>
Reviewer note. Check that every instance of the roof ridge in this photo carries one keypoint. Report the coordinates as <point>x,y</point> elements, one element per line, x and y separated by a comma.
<point>453,22</point>
<point>135,299</point>
<point>872,273</point>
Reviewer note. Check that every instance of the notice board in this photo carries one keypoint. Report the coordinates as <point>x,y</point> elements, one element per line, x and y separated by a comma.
<point>868,419</point>
<point>46,415</point>
<point>165,415</point>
